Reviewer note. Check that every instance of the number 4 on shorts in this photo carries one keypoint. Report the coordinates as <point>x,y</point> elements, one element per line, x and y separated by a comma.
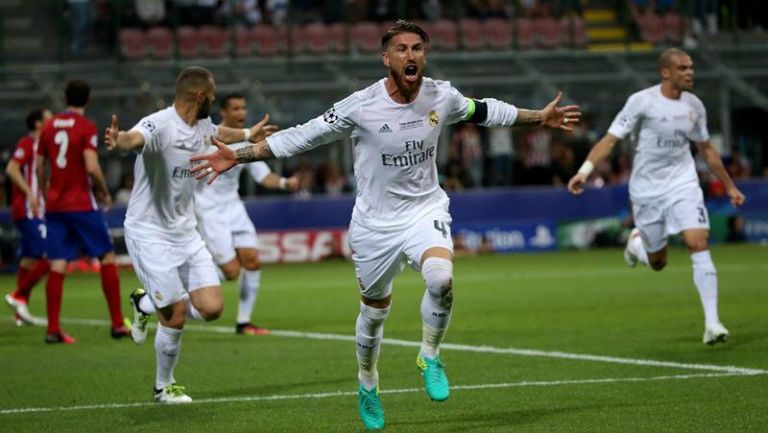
<point>441,227</point>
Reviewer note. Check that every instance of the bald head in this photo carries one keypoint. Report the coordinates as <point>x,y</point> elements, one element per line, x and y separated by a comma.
<point>193,79</point>
<point>669,58</point>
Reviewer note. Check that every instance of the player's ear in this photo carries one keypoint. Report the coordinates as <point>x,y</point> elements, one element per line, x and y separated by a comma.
<point>385,58</point>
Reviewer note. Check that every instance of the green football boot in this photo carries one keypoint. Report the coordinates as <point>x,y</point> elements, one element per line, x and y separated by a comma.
<point>435,381</point>
<point>369,404</point>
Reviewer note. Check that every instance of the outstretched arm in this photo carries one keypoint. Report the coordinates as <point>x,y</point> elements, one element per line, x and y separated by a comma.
<point>273,181</point>
<point>254,134</point>
<point>598,153</point>
<point>491,112</point>
<point>712,158</point>
<point>551,115</point>
<point>114,138</point>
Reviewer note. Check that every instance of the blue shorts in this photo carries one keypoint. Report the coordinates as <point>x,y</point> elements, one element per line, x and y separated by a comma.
<point>70,232</point>
<point>32,238</point>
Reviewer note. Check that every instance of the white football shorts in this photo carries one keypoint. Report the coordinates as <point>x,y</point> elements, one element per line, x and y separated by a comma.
<point>169,271</point>
<point>380,256</point>
<point>224,230</point>
<point>669,216</point>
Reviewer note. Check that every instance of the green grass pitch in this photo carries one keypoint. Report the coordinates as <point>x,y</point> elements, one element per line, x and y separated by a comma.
<point>557,342</point>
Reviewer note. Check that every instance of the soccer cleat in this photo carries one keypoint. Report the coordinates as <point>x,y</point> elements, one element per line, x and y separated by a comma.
<point>249,329</point>
<point>17,320</point>
<point>172,394</point>
<point>715,333</point>
<point>140,318</point>
<point>59,337</point>
<point>629,256</point>
<point>435,381</point>
<point>369,405</point>
<point>19,306</point>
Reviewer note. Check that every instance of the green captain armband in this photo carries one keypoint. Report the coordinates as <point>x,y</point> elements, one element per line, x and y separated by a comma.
<point>477,111</point>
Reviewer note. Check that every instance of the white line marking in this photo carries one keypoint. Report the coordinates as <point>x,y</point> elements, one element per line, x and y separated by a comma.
<point>386,391</point>
<point>469,348</point>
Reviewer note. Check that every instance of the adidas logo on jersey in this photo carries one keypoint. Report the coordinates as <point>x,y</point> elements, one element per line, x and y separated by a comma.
<point>385,128</point>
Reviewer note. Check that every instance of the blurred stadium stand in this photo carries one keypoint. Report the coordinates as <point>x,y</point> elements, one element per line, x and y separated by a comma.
<point>597,52</point>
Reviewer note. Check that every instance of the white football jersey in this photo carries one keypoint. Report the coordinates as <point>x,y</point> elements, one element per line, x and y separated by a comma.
<point>225,189</point>
<point>161,203</point>
<point>395,146</point>
<point>663,163</point>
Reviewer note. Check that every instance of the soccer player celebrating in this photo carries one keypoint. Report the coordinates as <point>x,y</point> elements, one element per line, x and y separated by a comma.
<point>224,223</point>
<point>27,211</point>
<point>401,213</point>
<point>168,254</point>
<point>664,188</point>
<point>68,143</point>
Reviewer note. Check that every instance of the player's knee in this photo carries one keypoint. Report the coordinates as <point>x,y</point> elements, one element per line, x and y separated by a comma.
<point>108,258</point>
<point>231,270</point>
<point>251,263</point>
<point>438,276</point>
<point>212,310</point>
<point>698,245</point>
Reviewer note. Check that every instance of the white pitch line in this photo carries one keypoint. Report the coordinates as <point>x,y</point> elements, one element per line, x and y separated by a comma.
<point>476,349</point>
<point>256,398</point>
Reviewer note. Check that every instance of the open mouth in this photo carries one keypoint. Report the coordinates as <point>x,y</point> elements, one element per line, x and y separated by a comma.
<point>411,73</point>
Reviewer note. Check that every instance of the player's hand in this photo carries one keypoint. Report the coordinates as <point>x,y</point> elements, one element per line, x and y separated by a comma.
<point>111,133</point>
<point>737,198</point>
<point>560,117</point>
<point>576,184</point>
<point>261,130</point>
<point>213,163</point>
<point>34,203</point>
<point>104,199</point>
<point>292,183</point>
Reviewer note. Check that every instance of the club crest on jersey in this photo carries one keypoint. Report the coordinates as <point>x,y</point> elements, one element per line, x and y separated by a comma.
<point>330,116</point>
<point>149,125</point>
<point>158,296</point>
<point>385,129</point>
<point>692,116</point>
<point>434,119</point>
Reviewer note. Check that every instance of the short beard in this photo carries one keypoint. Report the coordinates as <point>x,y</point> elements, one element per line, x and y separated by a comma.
<point>406,91</point>
<point>204,111</point>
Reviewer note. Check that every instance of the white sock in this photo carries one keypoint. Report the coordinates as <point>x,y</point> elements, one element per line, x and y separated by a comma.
<point>436,304</point>
<point>191,311</point>
<point>250,281</point>
<point>369,330</point>
<point>167,349</point>
<point>146,305</point>
<point>636,247</point>
<point>705,278</point>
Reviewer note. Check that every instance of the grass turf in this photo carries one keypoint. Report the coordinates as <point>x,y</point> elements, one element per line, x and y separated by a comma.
<point>575,302</point>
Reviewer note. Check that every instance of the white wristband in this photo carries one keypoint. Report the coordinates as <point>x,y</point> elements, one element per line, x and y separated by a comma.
<point>283,183</point>
<point>586,168</point>
<point>247,133</point>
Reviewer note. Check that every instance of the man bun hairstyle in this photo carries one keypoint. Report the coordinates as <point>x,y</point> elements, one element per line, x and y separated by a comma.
<point>77,93</point>
<point>403,26</point>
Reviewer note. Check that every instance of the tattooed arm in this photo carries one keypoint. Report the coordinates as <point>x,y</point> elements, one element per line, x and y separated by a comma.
<point>257,152</point>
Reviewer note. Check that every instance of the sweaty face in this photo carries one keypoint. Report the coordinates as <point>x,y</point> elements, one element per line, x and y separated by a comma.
<point>234,115</point>
<point>680,72</point>
<point>405,58</point>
